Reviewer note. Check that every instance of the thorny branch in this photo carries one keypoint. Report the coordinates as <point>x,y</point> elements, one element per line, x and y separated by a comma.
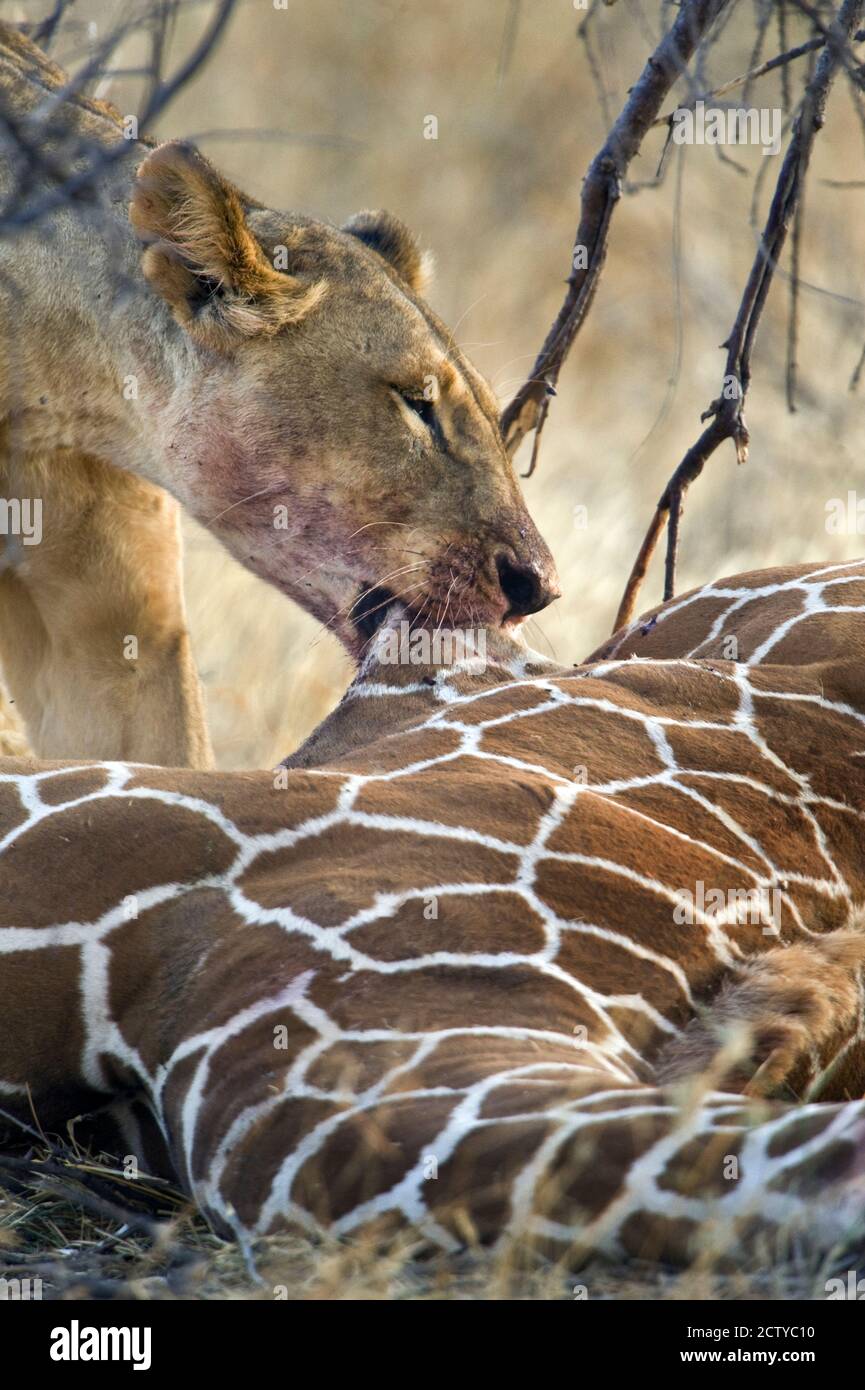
<point>726,413</point>
<point>41,146</point>
<point>601,191</point>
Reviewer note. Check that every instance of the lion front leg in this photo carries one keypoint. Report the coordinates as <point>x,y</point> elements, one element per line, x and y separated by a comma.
<point>93,640</point>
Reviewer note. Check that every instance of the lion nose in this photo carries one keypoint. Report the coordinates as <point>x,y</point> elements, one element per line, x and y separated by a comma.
<point>525,587</point>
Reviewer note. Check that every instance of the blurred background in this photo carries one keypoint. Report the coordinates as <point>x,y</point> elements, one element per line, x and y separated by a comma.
<point>322,108</point>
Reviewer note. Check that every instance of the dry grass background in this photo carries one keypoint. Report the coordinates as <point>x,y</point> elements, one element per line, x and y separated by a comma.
<point>496,199</point>
<point>83,1228</point>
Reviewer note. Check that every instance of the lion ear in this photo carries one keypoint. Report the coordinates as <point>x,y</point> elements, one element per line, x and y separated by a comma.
<point>392,239</point>
<point>202,258</point>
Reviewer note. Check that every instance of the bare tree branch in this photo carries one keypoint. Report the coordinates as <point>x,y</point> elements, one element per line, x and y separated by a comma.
<point>601,191</point>
<point>725,414</point>
<point>32,139</point>
<point>780,60</point>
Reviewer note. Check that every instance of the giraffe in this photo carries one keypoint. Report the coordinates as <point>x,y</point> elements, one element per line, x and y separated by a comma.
<point>447,968</point>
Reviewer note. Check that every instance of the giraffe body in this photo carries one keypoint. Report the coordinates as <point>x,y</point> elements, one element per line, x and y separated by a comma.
<point>435,969</point>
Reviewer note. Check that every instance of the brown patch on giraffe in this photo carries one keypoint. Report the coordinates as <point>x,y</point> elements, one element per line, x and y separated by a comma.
<point>729,752</point>
<point>693,620</point>
<point>169,844</point>
<point>248,967</point>
<point>69,786</point>
<point>756,620</point>
<point>648,639</point>
<point>146,977</point>
<point>656,1237</point>
<point>598,826</point>
<point>697,1168</point>
<point>819,747</point>
<point>669,805</point>
<point>45,988</point>
<point>249,799</point>
<point>248,1068</point>
<point>177,1084</point>
<point>342,869</point>
<point>800,1129</point>
<point>846,594</point>
<point>368,1154</point>
<point>542,1091</point>
<point>400,750</point>
<point>810,640</point>
<point>783,832</point>
<point>496,704</point>
<point>844,828</point>
<point>12,812</point>
<point>462,1060</point>
<point>486,923</point>
<point>818,1171</point>
<point>791,680</point>
<point>361,721</point>
<point>818,910</point>
<point>576,736</point>
<point>496,801</point>
<point>357,1065</point>
<point>256,1159</point>
<point>590,1169</point>
<point>673,690</point>
<point>437,997</point>
<point>769,579</point>
<point>476,1211</point>
<point>609,968</point>
<point>593,894</point>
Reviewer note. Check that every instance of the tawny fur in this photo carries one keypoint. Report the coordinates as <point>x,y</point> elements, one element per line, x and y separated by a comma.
<point>784,1007</point>
<point>259,366</point>
<point>193,224</point>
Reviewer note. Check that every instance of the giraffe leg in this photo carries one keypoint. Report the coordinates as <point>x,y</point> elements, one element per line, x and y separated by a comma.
<point>788,1012</point>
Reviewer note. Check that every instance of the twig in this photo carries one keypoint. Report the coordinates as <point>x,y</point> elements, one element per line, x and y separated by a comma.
<point>726,412</point>
<point>76,1187</point>
<point>779,61</point>
<point>44,32</point>
<point>79,184</point>
<point>764,15</point>
<point>601,191</point>
<point>782,40</point>
<point>793,290</point>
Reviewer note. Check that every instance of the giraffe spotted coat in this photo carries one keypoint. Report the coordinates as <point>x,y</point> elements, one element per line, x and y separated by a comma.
<point>431,972</point>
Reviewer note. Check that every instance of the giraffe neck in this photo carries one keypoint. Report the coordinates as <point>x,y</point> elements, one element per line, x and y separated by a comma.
<point>453,969</point>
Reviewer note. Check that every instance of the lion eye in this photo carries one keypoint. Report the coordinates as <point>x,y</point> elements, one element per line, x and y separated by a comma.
<point>423,408</point>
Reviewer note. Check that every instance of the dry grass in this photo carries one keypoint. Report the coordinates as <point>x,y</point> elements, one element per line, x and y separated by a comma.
<point>154,1246</point>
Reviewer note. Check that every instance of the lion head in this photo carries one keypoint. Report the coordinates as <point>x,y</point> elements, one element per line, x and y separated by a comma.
<point>321,420</point>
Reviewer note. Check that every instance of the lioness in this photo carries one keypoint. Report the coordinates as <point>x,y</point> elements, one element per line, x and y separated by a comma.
<point>281,378</point>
